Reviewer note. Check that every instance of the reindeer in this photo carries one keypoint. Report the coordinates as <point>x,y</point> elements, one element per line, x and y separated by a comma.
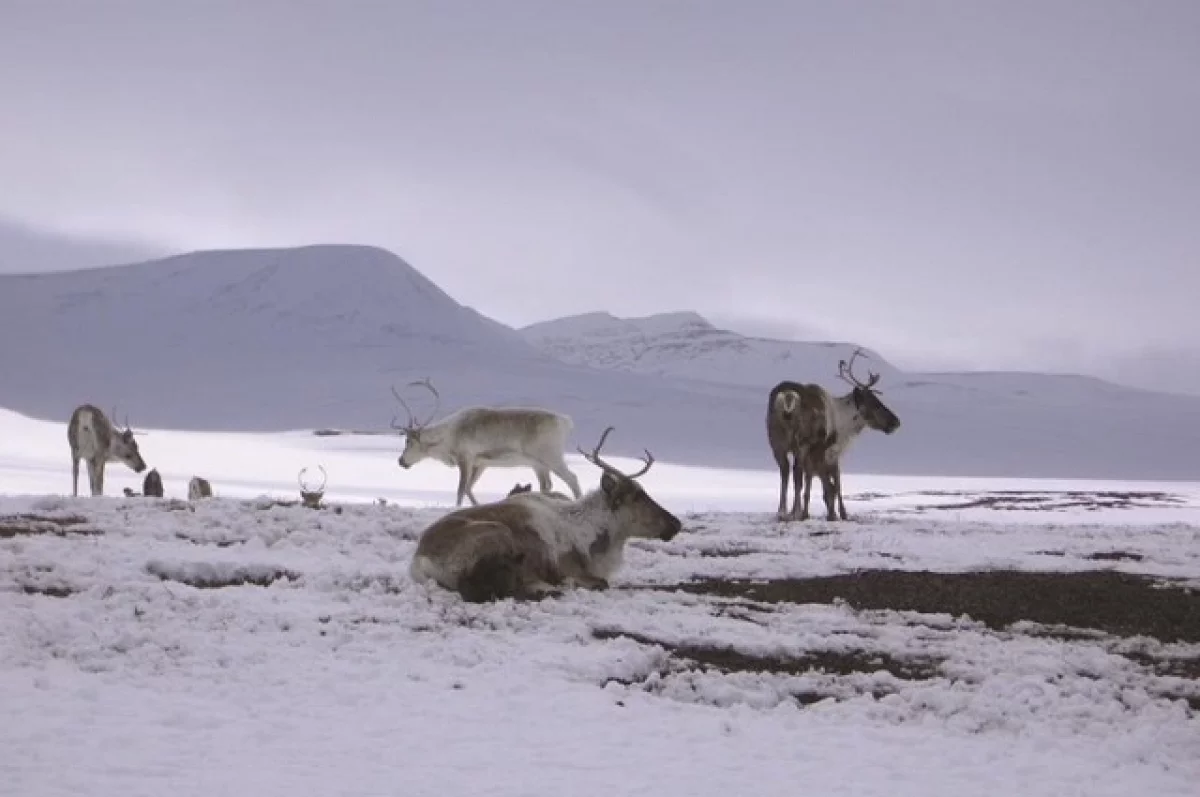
<point>95,439</point>
<point>152,487</point>
<point>796,422</point>
<point>816,428</point>
<point>199,488</point>
<point>473,439</point>
<point>528,546</point>
<point>847,416</point>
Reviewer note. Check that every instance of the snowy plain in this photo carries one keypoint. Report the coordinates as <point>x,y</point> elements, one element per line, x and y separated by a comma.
<point>131,664</point>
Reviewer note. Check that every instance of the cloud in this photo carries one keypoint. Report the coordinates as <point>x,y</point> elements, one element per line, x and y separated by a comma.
<point>949,184</point>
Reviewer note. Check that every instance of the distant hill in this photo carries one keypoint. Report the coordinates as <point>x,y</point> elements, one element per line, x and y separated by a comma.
<point>311,337</point>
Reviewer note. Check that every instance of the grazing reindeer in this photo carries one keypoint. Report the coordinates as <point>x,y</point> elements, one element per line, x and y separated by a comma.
<point>527,545</point>
<point>199,488</point>
<point>93,438</point>
<point>152,487</point>
<point>847,416</point>
<point>796,423</point>
<point>473,439</point>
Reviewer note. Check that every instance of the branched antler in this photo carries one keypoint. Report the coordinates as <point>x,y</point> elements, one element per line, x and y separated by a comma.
<point>304,488</point>
<point>413,424</point>
<point>594,458</point>
<point>846,372</point>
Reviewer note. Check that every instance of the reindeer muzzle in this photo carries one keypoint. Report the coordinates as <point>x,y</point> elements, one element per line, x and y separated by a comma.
<point>673,528</point>
<point>402,463</point>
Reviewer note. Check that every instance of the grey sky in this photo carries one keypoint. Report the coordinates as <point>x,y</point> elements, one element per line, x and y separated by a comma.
<point>994,185</point>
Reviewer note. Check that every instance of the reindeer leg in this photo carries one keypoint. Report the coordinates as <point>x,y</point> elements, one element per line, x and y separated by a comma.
<point>808,480</point>
<point>464,474</point>
<point>94,478</point>
<point>543,477</point>
<point>837,480</point>
<point>782,461</point>
<point>561,470</point>
<point>74,476</point>
<point>828,492</point>
<point>799,497</point>
<point>476,472</point>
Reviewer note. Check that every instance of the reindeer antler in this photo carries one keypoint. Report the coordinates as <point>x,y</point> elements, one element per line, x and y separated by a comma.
<point>304,487</point>
<point>594,458</point>
<point>846,372</point>
<point>413,424</point>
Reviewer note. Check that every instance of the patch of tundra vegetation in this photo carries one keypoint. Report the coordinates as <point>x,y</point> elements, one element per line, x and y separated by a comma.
<point>979,628</point>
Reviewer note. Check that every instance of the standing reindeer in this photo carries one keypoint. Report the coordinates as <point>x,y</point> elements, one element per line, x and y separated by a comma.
<point>94,439</point>
<point>528,545</point>
<point>847,416</point>
<point>796,423</point>
<point>473,439</point>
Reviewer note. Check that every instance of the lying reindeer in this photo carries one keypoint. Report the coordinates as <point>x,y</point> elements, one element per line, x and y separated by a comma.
<point>528,545</point>
<point>152,487</point>
<point>199,488</point>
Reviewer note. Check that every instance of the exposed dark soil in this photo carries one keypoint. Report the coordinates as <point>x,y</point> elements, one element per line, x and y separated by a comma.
<point>838,662</point>
<point>48,591</point>
<point>1009,500</point>
<point>59,525</point>
<point>260,578</point>
<point>1116,603</point>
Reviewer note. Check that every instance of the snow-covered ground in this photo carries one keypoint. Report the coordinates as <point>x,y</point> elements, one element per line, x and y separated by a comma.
<point>129,665</point>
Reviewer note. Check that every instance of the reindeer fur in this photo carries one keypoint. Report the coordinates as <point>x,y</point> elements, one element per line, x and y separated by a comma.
<point>94,439</point>
<point>528,545</point>
<point>473,439</point>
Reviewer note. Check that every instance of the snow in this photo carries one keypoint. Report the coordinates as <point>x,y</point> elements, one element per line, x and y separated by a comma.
<point>271,340</point>
<point>118,676</point>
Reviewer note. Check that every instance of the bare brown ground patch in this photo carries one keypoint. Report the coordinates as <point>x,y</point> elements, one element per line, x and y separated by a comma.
<point>1120,604</point>
<point>32,525</point>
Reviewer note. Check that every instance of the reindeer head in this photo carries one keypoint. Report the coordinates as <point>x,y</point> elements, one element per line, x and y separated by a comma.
<point>414,449</point>
<point>637,514</point>
<point>311,496</point>
<point>124,448</point>
<point>866,398</point>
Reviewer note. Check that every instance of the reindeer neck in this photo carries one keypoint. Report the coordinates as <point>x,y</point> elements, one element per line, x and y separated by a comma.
<point>848,420</point>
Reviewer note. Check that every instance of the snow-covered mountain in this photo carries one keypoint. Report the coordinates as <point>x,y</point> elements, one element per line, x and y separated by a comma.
<point>1015,421</point>
<point>687,346</point>
<point>312,337</point>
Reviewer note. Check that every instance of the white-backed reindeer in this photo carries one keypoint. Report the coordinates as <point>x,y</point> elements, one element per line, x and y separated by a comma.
<point>94,439</point>
<point>473,439</point>
<point>847,416</point>
<point>528,545</point>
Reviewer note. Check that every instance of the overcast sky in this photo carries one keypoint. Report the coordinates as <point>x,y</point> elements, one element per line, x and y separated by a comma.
<point>991,185</point>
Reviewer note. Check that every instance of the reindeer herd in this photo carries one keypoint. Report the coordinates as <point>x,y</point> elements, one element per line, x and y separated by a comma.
<point>530,544</point>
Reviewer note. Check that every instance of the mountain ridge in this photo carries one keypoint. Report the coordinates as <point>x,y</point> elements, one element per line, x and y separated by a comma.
<point>312,337</point>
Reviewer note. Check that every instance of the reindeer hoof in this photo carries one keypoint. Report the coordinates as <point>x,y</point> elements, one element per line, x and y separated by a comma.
<point>783,516</point>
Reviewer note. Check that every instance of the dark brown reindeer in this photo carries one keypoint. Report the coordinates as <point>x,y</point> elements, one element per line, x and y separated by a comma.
<point>796,421</point>
<point>94,439</point>
<point>152,486</point>
<point>473,439</point>
<point>847,417</point>
<point>529,545</point>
